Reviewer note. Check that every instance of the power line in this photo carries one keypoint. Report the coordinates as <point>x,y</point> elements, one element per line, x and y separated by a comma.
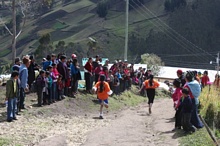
<point>169,35</point>
<point>174,30</point>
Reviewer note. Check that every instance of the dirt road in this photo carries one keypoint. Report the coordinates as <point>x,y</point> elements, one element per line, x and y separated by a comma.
<point>54,126</point>
<point>133,127</point>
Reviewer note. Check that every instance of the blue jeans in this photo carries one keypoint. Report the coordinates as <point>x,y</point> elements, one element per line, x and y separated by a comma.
<point>11,109</point>
<point>22,98</point>
<point>54,91</point>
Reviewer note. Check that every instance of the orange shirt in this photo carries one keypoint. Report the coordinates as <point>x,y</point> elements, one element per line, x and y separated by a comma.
<point>147,84</point>
<point>104,94</point>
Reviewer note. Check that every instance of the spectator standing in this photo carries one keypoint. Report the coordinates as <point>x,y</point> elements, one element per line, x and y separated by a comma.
<point>12,92</point>
<point>63,70</point>
<point>180,75</point>
<point>88,75</point>
<point>205,79</point>
<point>31,71</point>
<point>76,75</point>
<point>40,82</point>
<point>16,66</point>
<point>23,76</point>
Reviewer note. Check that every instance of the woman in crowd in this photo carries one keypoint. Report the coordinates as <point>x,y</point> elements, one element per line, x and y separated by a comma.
<point>194,92</point>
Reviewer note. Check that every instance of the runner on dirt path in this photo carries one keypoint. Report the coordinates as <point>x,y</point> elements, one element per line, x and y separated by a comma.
<point>103,91</point>
<point>150,85</point>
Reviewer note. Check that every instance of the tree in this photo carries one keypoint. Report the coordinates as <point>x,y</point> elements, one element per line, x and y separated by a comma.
<point>45,46</point>
<point>102,8</point>
<point>24,7</point>
<point>92,44</point>
<point>153,62</point>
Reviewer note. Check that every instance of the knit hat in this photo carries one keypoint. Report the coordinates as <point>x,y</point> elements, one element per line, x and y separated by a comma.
<point>179,72</point>
<point>189,75</point>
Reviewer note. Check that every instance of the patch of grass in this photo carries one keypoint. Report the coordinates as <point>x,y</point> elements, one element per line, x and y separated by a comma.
<point>59,25</point>
<point>4,142</point>
<point>78,5</point>
<point>199,138</point>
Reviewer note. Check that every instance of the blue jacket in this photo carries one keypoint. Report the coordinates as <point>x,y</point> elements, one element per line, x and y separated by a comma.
<point>23,76</point>
<point>74,70</point>
<point>195,89</point>
<point>46,64</point>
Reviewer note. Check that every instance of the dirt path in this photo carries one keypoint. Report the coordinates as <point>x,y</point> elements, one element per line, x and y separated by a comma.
<point>130,127</point>
<point>134,127</point>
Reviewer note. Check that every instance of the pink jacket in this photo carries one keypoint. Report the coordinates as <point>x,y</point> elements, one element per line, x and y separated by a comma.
<point>177,96</point>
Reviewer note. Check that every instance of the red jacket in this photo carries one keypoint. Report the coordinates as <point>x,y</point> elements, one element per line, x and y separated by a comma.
<point>88,67</point>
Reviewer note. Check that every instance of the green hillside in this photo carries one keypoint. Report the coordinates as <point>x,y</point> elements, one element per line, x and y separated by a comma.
<point>197,23</point>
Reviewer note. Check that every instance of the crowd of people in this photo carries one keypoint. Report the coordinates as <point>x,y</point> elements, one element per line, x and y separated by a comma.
<point>188,87</point>
<point>58,77</point>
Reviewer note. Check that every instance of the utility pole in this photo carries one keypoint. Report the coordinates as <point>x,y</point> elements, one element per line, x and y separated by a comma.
<point>126,32</point>
<point>217,61</point>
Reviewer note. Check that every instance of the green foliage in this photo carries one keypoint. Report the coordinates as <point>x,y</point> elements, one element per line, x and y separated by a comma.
<point>102,8</point>
<point>45,46</point>
<point>199,138</point>
<point>153,62</point>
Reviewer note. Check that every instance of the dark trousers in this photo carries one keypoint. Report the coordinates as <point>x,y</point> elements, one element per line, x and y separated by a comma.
<point>39,96</point>
<point>88,81</point>
<point>74,85</point>
<point>96,78</point>
<point>54,91</point>
<point>116,90</point>
<point>22,98</point>
<point>187,126</point>
<point>150,95</point>
<point>11,108</point>
<point>178,117</point>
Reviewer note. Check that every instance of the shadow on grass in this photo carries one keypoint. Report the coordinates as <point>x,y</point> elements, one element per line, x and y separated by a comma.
<point>176,134</point>
<point>95,101</point>
<point>96,118</point>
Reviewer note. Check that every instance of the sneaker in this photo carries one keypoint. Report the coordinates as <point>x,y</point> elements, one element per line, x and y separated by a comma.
<point>101,117</point>
<point>9,120</point>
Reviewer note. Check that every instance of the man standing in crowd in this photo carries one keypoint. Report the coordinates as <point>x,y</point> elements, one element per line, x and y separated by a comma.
<point>16,66</point>
<point>181,77</point>
<point>63,70</point>
<point>23,76</point>
<point>31,71</point>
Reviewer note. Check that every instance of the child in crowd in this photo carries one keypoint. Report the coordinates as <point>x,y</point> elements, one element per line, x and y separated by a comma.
<point>12,92</point>
<point>103,91</point>
<point>176,100</point>
<point>48,89</point>
<point>68,83</point>
<point>40,82</point>
<point>116,84</point>
<point>55,77</point>
<point>187,106</point>
<point>135,80</point>
<point>111,79</point>
<point>60,87</point>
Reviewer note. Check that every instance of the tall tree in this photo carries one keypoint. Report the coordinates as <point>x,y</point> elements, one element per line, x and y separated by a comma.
<point>23,7</point>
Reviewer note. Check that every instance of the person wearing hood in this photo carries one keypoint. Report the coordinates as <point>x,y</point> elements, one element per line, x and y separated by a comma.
<point>194,92</point>
<point>180,75</point>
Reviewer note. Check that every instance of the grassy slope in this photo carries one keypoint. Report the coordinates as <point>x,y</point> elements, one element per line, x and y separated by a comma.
<point>80,22</point>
